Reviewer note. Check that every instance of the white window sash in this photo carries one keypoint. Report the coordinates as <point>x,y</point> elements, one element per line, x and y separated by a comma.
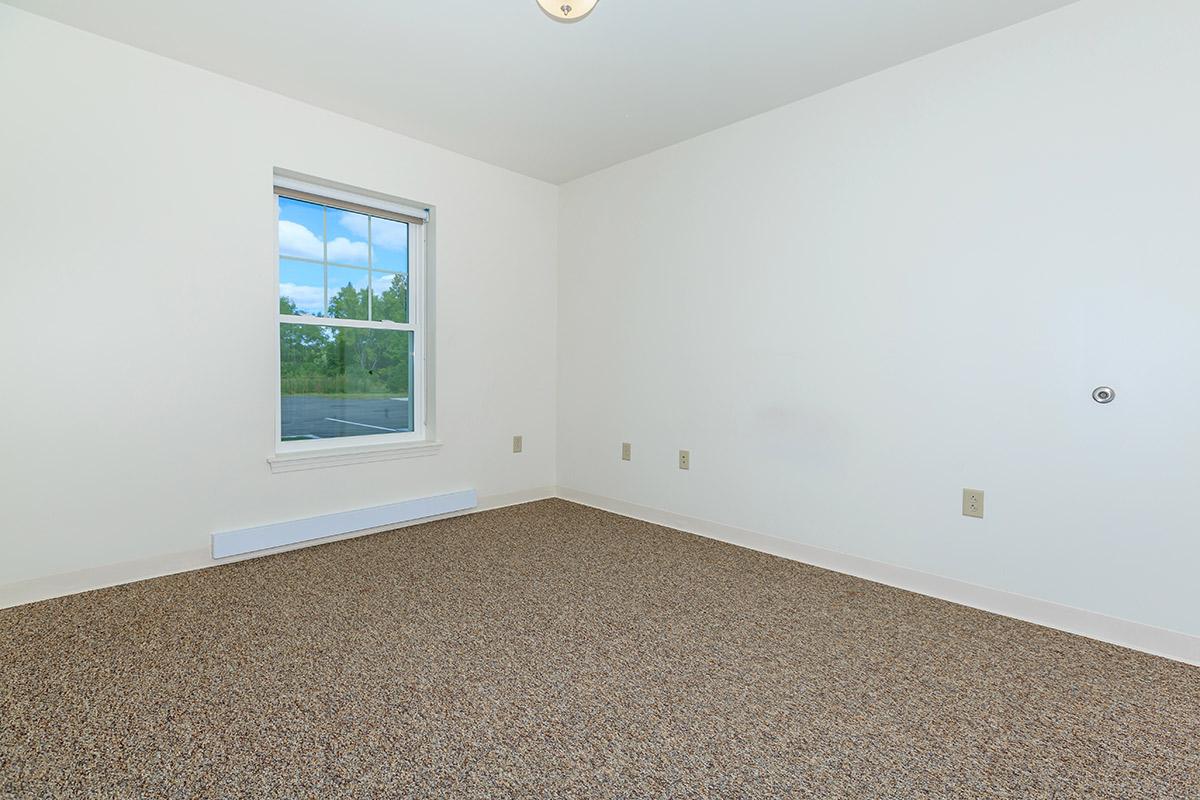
<point>415,324</point>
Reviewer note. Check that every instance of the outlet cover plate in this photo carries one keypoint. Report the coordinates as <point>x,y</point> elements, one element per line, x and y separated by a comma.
<point>973,503</point>
<point>685,459</point>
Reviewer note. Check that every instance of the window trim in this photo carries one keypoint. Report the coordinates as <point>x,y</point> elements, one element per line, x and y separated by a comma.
<point>307,454</point>
<point>351,454</point>
<point>368,203</point>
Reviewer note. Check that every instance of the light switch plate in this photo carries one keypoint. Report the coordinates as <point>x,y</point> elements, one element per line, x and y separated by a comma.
<point>626,451</point>
<point>518,444</point>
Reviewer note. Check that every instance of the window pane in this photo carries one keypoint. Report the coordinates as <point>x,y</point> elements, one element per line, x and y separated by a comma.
<point>301,287</point>
<point>389,245</point>
<point>301,229</point>
<point>337,382</point>
<point>347,234</point>
<point>390,296</point>
<point>347,293</point>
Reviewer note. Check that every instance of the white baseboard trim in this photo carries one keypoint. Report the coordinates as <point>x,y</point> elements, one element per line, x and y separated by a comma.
<point>1134,635</point>
<point>85,580</point>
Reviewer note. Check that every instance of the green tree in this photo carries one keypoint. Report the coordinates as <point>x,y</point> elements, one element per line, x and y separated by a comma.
<point>301,351</point>
<point>348,303</point>
<point>324,360</point>
<point>392,303</point>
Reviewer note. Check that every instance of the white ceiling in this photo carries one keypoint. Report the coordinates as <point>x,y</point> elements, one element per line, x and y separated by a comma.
<point>500,81</point>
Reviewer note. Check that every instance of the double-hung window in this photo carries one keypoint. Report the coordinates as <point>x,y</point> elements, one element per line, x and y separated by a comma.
<point>351,334</point>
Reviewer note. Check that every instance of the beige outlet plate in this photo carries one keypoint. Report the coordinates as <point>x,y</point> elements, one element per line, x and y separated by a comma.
<point>518,444</point>
<point>626,451</point>
<point>973,503</point>
<point>685,459</point>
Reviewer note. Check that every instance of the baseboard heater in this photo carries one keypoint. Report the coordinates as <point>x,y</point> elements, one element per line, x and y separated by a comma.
<point>278,534</point>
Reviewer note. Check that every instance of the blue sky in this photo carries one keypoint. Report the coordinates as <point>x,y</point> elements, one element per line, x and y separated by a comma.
<point>302,229</point>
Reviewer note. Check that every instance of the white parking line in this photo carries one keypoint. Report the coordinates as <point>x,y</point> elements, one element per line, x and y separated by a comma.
<point>363,425</point>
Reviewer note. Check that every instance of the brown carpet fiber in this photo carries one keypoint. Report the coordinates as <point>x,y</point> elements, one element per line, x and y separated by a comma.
<point>551,650</point>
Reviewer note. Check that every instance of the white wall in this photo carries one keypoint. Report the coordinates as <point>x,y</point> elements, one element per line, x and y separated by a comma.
<point>137,410</point>
<point>852,307</point>
<point>848,309</point>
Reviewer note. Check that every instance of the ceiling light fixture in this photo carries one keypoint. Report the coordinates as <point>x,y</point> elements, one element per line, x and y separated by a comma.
<point>567,10</point>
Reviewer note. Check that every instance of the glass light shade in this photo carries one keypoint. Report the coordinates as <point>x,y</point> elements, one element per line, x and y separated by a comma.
<point>568,10</point>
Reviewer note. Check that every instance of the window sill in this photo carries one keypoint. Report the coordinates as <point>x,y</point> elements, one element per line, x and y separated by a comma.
<point>339,456</point>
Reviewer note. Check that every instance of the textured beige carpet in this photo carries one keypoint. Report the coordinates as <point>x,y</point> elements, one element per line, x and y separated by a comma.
<point>551,650</point>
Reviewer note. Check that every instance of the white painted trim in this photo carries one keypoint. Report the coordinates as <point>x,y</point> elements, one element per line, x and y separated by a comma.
<point>318,458</point>
<point>421,370</point>
<point>339,322</point>
<point>383,203</point>
<point>1134,635</point>
<point>278,534</point>
<point>91,578</point>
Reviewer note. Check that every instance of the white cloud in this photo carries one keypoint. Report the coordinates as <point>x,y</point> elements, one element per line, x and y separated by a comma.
<point>384,232</point>
<point>355,223</point>
<point>306,298</point>
<point>345,251</point>
<point>297,240</point>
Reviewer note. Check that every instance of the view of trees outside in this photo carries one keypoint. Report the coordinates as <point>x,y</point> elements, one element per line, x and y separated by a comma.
<point>316,359</point>
<point>342,381</point>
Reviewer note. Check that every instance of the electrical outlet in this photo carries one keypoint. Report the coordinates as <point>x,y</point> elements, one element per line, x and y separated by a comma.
<point>973,503</point>
<point>685,459</point>
<point>518,444</point>
<point>626,451</point>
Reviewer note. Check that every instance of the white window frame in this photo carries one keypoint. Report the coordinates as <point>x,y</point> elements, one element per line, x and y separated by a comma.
<point>327,452</point>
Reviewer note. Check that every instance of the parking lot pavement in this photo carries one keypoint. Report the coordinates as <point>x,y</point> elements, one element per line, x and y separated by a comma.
<point>324,417</point>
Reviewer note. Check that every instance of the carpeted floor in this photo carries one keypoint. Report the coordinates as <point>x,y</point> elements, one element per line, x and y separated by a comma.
<point>551,650</point>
